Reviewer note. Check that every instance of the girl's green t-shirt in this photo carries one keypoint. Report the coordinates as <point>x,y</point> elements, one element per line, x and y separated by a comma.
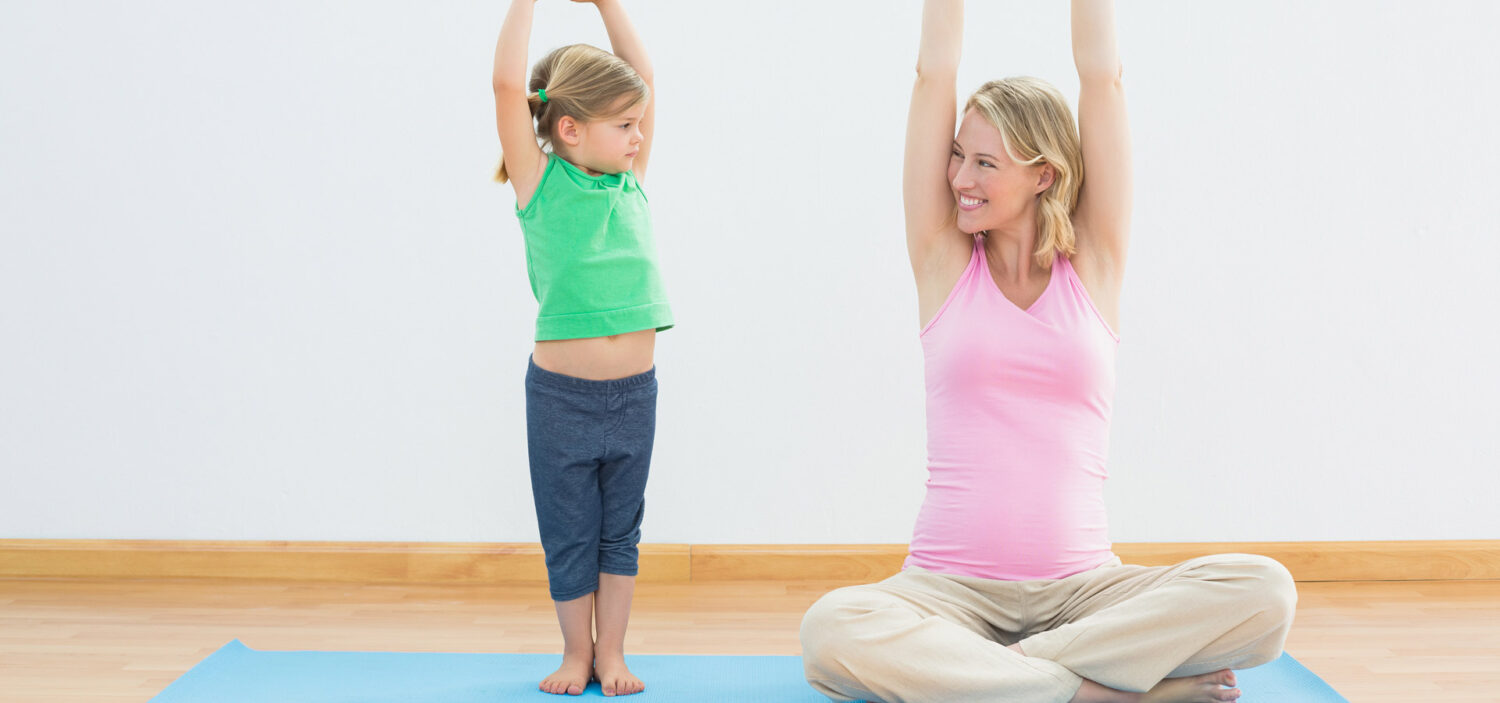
<point>591,255</point>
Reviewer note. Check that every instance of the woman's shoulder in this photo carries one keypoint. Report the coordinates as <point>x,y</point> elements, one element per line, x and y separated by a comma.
<point>1100,281</point>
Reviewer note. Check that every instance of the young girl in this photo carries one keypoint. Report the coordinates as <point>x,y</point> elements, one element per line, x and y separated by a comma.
<point>591,385</point>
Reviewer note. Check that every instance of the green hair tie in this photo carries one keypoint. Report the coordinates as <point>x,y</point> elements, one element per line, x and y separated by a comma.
<point>543,93</point>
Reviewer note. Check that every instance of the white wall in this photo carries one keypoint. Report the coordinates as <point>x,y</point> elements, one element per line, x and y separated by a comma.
<point>254,283</point>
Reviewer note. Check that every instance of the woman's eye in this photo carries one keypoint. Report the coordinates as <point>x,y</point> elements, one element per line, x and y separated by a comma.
<point>986,163</point>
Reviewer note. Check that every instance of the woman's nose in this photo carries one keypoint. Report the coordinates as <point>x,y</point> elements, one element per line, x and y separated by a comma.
<point>962,178</point>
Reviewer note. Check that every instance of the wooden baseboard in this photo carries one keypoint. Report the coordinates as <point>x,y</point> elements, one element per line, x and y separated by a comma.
<point>366,562</point>
<point>1429,560</point>
<point>1308,561</point>
<point>480,563</point>
<point>827,562</point>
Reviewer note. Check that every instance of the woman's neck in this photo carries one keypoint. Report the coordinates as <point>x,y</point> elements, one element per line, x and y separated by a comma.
<point>1011,251</point>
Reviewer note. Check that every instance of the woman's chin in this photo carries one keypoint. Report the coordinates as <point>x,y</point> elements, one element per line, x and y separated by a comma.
<point>969,225</point>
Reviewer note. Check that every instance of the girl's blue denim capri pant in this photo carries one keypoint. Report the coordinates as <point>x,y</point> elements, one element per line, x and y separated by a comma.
<point>590,447</point>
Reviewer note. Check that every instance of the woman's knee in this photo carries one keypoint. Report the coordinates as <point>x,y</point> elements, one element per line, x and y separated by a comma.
<point>830,626</point>
<point>1266,587</point>
<point>1270,602</point>
<point>1275,592</point>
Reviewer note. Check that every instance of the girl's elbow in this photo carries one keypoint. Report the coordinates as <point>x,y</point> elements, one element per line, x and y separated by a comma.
<point>504,85</point>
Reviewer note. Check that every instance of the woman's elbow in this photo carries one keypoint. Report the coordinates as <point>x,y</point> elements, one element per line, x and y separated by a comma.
<point>1105,73</point>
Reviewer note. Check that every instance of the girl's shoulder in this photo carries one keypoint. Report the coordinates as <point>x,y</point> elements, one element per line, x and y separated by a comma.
<point>565,181</point>
<point>541,184</point>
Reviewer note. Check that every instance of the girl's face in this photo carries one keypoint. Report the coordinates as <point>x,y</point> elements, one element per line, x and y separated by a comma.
<point>992,190</point>
<point>604,146</point>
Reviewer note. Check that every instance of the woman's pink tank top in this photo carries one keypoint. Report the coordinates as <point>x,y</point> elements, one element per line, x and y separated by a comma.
<point>1018,409</point>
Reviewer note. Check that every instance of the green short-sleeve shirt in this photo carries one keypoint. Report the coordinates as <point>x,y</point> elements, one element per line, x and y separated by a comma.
<point>591,255</point>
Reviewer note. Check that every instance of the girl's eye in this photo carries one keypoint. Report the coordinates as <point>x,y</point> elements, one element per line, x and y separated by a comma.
<point>957,155</point>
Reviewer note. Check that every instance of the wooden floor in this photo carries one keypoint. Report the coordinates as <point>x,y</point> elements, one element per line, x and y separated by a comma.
<point>70,640</point>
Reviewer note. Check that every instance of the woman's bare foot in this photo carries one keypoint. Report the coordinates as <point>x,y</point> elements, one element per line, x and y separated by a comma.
<point>573,676</point>
<point>614,677</point>
<point>1204,688</point>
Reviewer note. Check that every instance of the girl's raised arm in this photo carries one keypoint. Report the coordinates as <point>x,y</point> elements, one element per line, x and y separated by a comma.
<point>1102,218</point>
<point>523,160</point>
<point>930,228</point>
<point>626,44</point>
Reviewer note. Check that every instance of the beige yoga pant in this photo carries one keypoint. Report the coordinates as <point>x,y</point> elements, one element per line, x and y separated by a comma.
<point>920,636</point>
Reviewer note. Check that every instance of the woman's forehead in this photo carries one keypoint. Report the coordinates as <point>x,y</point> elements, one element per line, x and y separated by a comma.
<point>977,131</point>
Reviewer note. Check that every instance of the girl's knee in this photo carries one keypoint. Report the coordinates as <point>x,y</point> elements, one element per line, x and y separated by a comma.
<point>572,568</point>
<point>619,559</point>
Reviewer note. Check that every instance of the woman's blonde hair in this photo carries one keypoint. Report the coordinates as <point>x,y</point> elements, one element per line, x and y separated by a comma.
<point>583,82</point>
<point>1037,127</point>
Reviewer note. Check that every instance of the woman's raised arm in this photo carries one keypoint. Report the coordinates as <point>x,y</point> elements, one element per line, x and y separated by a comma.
<point>930,122</point>
<point>1102,217</point>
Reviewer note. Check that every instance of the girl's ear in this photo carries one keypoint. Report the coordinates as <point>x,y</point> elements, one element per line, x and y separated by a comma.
<point>567,130</point>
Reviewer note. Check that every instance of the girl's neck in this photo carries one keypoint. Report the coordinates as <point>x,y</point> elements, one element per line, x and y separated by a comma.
<point>565,156</point>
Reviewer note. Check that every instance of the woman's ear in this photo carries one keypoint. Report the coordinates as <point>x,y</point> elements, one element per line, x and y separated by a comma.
<point>567,130</point>
<point>1044,181</point>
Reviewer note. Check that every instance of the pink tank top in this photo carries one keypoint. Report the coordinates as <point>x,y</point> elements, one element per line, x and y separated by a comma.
<point>1018,408</point>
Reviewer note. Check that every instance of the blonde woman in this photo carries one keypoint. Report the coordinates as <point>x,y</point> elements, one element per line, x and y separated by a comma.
<point>1017,231</point>
<point>591,382</point>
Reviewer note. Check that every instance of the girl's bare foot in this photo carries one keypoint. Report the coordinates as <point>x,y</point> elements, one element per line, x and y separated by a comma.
<point>614,677</point>
<point>573,676</point>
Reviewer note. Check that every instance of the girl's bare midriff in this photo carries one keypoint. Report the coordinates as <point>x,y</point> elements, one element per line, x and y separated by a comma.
<point>599,358</point>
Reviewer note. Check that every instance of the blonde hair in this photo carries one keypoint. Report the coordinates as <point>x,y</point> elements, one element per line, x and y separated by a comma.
<point>1037,127</point>
<point>583,82</point>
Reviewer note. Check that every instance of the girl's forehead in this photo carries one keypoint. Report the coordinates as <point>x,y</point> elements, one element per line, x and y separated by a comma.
<point>625,108</point>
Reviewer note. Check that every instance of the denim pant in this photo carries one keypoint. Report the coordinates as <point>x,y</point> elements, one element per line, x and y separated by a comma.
<point>590,448</point>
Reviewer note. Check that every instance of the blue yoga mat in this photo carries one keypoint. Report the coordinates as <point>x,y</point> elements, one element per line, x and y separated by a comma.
<point>238,674</point>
